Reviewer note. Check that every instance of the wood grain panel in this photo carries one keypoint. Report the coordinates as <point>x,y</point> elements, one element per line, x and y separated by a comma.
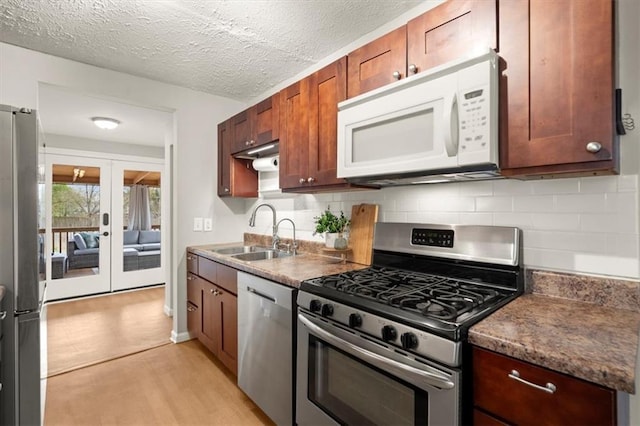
<point>227,314</point>
<point>363,219</point>
<point>372,65</point>
<point>267,120</point>
<point>192,263</point>
<point>557,86</point>
<point>574,401</point>
<point>241,130</point>
<point>208,269</point>
<point>327,87</point>
<point>227,278</point>
<point>294,134</point>
<point>452,30</point>
<point>224,159</point>
<point>209,333</point>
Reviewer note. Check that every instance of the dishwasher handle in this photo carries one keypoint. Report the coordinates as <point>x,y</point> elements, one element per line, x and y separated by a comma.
<point>259,294</point>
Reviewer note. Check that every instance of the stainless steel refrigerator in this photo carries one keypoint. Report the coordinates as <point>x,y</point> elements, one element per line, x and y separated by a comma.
<point>21,266</point>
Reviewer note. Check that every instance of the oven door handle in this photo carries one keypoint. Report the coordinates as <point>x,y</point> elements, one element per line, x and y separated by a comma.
<point>400,370</point>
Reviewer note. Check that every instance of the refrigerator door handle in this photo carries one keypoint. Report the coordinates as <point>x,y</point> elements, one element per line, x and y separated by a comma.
<point>3,315</point>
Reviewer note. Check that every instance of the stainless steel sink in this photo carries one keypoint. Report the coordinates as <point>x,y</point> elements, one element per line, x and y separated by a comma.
<point>240,249</point>
<point>260,255</point>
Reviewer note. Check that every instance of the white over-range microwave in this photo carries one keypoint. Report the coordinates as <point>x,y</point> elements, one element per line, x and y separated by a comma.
<point>440,125</point>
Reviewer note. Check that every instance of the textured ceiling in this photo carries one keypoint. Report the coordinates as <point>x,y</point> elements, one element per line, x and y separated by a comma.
<point>234,48</point>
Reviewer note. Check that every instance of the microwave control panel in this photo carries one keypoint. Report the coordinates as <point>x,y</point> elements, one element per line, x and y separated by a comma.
<point>475,128</point>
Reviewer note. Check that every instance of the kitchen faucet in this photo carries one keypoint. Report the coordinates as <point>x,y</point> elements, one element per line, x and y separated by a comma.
<point>294,245</point>
<point>252,223</point>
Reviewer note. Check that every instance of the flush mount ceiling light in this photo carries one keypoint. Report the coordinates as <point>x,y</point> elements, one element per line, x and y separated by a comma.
<point>105,122</point>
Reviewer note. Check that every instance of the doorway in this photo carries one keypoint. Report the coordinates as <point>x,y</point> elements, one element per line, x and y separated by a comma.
<point>104,225</point>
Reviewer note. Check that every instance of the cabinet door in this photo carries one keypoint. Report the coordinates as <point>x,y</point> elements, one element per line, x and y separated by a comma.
<point>224,158</point>
<point>573,401</point>
<point>294,134</point>
<point>208,334</point>
<point>453,30</point>
<point>327,87</point>
<point>227,329</point>
<point>241,130</point>
<point>375,64</point>
<point>266,126</point>
<point>556,89</point>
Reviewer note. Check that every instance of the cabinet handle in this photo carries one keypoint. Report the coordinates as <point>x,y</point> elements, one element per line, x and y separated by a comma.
<point>189,278</point>
<point>549,387</point>
<point>189,258</point>
<point>191,308</point>
<point>413,69</point>
<point>3,315</point>
<point>594,147</point>
<point>302,180</point>
<point>396,75</point>
<point>311,180</point>
<point>212,291</point>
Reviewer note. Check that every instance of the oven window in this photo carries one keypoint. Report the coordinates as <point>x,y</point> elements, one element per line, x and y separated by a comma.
<point>355,393</point>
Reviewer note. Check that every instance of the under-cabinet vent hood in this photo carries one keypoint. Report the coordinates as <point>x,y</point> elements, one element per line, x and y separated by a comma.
<point>266,150</point>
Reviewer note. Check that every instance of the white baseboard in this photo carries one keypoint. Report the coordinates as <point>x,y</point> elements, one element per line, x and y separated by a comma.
<point>180,337</point>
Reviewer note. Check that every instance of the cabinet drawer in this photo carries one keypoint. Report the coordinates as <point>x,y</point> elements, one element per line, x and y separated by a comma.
<point>192,263</point>
<point>207,269</point>
<point>227,278</point>
<point>194,290</point>
<point>574,401</point>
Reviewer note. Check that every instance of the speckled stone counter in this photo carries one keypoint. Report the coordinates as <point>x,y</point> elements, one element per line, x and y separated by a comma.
<point>567,323</point>
<point>285,270</point>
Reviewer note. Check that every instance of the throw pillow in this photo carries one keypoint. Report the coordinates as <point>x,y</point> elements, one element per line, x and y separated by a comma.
<point>79,241</point>
<point>90,239</point>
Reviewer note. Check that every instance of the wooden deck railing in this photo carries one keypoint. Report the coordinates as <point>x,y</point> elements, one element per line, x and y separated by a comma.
<point>60,236</point>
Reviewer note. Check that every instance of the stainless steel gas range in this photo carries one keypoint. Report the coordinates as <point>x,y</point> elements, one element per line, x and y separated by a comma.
<point>386,345</point>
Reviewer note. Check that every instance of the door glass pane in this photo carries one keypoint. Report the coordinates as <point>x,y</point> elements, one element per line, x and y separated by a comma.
<point>75,206</point>
<point>141,210</point>
<point>345,388</point>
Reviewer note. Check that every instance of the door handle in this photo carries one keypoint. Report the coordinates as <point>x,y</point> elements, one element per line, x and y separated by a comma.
<point>105,219</point>
<point>105,233</point>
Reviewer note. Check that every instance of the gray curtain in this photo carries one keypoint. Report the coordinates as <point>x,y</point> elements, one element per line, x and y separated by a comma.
<point>139,211</point>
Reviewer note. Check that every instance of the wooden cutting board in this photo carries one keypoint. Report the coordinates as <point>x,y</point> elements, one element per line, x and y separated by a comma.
<point>363,219</point>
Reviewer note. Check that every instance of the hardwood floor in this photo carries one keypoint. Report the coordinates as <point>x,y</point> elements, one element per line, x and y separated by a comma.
<point>179,384</point>
<point>90,330</point>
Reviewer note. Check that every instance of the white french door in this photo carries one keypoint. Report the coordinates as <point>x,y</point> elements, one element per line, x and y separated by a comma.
<point>78,228</point>
<point>144,264</point>
<point>88,210</point>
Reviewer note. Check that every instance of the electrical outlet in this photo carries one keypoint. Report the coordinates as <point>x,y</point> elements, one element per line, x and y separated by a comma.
<point>208,224</point>
<point>197,224</point>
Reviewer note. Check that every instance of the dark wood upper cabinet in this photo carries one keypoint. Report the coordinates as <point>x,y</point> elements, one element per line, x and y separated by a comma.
<point>257,125</point>
<point>224,158</point>
<point>556,88</point>
<point>309,137</point>
<point>236,177</point>
<point>294,134</point>
<point>377,63</point>
<point>452,30</point>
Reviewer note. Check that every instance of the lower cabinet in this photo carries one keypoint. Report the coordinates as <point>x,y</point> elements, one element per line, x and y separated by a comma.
<point>212,308</point>
<point>510,391</point>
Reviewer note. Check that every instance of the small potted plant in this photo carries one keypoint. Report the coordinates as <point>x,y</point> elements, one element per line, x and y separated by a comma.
<point>332,226</point>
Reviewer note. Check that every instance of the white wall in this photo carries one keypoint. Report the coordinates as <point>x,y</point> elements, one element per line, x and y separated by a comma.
<point>586,225</point>
<point>83,144</point>
<point>196,116</point>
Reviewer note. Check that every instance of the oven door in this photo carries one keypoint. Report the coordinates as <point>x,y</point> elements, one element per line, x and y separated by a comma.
<point>344,378</point>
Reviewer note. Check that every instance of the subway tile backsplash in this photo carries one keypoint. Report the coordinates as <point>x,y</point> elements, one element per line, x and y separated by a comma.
<point>583,225</point>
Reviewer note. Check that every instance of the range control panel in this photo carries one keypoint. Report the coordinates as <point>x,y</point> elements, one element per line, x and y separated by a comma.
<point>432,237</point>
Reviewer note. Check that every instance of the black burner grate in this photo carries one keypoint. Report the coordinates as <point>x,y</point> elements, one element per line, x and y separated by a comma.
<point>432,296</point>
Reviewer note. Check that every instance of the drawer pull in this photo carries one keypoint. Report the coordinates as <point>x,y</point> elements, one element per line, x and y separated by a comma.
<point>549,387</point>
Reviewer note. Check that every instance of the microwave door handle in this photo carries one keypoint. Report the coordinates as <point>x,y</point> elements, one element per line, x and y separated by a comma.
<point>451,125</point>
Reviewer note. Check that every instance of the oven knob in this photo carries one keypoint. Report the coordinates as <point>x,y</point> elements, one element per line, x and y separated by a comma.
<point>327,310</point>
<point>315,305</point>
<point>409,340</point>
<point>355,320</point>
<point>389,333</point>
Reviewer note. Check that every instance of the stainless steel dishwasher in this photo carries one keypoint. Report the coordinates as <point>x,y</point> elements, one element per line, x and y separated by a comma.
<point>266,360</point>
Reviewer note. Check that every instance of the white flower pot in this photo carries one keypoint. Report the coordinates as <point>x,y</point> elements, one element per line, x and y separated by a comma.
<point>330,239</point>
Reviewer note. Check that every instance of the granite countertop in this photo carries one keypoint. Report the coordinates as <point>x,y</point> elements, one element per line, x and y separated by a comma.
<point>567,323</point>
<point>286,270</point>
<point>585,338</point>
